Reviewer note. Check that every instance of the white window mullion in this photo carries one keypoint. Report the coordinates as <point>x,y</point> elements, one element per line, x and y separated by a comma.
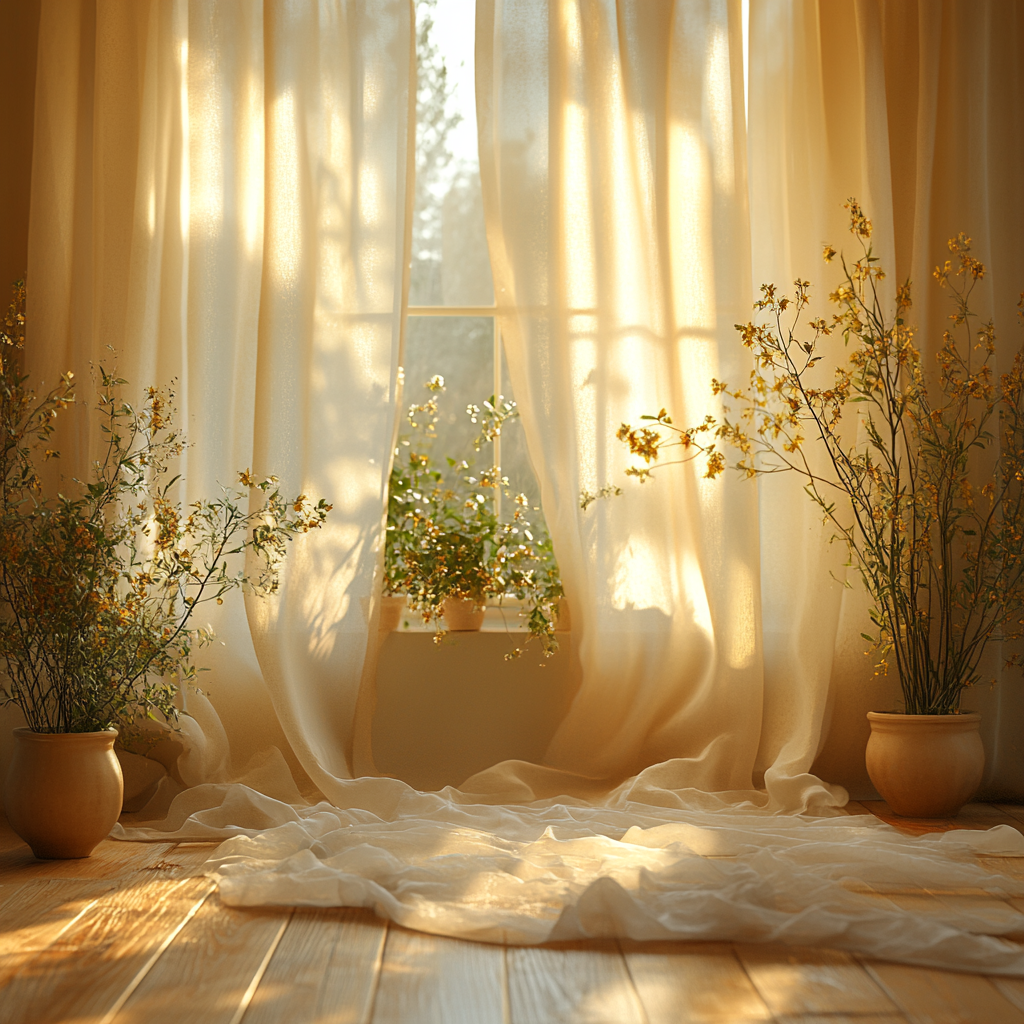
<point>451,310</point>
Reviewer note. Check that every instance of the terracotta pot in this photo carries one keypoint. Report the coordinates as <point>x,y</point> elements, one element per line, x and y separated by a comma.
<point>925,766</point>
<point>391,609</point>
<point>63,792</point>
<point>463,616</point>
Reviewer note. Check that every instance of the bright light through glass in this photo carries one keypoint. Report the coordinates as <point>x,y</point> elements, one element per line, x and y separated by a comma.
<point>455,31</point>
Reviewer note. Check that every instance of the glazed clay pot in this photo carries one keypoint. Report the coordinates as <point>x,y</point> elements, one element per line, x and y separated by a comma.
<point>925,766</point>
<point>391,608</point>
<point>462,616</point>
<point>64,790</point>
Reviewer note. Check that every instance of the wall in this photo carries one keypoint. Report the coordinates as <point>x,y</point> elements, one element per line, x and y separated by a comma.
<point>444,712</point>
<point>19,26</point>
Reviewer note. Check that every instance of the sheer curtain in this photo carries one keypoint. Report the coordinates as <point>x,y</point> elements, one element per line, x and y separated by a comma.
<point>621,128</point>
<point>614,173</point>
<point>917,109</point>
<point>717,640</point>
<point>219,197</point>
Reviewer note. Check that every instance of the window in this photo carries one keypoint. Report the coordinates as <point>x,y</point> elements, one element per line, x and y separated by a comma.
<point>451,328</point>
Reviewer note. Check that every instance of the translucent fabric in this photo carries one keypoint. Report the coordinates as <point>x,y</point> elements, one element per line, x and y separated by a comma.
<point>219,192</point>
<point>916,109</point>
<point>219,200</point>
<point>621,128</point>
<point>642,862</point>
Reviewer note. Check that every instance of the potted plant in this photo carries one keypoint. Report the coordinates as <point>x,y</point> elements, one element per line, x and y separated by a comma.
<point>99,585</point>
<point>940,552</point>
<point>447,548</point>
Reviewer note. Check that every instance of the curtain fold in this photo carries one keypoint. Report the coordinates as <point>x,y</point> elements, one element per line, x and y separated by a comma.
<point>219,191</point>
<point>621,128</point>
<point>917,110</point>
<point>219,198</point>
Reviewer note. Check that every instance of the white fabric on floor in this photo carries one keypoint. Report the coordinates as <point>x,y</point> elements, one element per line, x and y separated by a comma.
<point>696,866</point>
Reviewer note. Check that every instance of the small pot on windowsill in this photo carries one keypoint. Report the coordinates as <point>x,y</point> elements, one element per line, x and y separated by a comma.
<point>392,607</point>
<point>925,766</point>
<point>64,791</point>
<point>463,615</point>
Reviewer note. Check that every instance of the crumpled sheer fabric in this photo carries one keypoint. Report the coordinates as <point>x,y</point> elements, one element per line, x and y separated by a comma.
<point>227,207</point>
<point>555,869</point>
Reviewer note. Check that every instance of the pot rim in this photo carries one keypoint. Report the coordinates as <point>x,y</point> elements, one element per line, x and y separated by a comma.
<point>24,732</point>
<point>964,717</point>
<point>479,604</point>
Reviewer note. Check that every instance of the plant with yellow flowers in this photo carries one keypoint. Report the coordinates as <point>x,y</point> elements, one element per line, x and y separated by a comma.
<point>100,583</point>
<point>905,449</point>
<point>445,540</point>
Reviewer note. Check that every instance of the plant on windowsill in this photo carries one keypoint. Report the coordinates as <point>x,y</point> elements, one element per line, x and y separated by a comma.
<point>447,550</point>
<point>942,558</point>
<point>99,585</point>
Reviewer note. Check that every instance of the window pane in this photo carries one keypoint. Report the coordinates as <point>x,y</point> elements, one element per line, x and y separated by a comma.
<point>450,265</point>
<point>460,349</point>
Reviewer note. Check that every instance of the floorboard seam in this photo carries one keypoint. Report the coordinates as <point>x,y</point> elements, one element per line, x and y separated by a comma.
<point>35,954</point>
<point>254,984</point>
<point>902,1014</point>
<point>123,998</point>
<point>632,982</point>
<point>378,970</point>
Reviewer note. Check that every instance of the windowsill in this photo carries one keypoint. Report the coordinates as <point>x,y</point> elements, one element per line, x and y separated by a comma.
<point>505,619</point>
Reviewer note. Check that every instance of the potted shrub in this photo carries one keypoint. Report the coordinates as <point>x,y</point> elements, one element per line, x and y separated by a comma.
<point>99,585</point>
<point>940,552</point>
<point>447,549</point>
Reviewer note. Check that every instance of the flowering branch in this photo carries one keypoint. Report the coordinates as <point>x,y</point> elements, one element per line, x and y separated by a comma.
<point>942,558</point>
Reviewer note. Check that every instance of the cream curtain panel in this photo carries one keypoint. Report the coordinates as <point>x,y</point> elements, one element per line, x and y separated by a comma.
<point>621,128</point>
<point>674,800</point>
<point>219,196</point>
<point>917,109</point>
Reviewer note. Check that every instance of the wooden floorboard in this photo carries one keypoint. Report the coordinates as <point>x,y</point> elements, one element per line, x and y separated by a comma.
<point>430,978</point>
<point>973,816</point>
<point>700,982</point>
<point>1012,989</point>
<point>111,859</point>
<point>930,996</point>
<point>36,914</point>
<point>581,982</point>
<point>209,966</point>
<point>97,962</point>
<point>136,935</point>
<point>794,981</point>
<point>325,969</point>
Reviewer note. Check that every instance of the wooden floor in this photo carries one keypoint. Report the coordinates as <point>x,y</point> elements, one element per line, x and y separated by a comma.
<point>136,934</point>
